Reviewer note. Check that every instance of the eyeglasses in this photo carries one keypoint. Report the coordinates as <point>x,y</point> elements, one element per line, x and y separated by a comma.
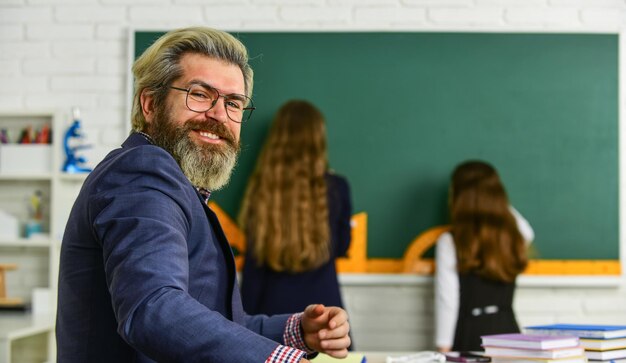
<point>201,98</point>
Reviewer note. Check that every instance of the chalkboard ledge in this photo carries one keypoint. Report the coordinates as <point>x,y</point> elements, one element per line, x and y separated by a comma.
<point>369,279</point>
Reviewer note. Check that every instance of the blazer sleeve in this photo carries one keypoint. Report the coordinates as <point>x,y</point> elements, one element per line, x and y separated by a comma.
<point>142,227</point>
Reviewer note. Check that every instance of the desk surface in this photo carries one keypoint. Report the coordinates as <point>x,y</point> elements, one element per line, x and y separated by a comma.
<point>380,357</point>
<point>362,279</point>
<point>371,357</point>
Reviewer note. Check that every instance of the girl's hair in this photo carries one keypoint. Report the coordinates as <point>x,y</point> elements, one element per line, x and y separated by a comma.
<point>159,65</point>
<point>486,236</point>
<point>285,207</point>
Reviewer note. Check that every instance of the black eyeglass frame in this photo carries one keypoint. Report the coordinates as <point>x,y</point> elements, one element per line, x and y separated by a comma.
<point>250,106</point>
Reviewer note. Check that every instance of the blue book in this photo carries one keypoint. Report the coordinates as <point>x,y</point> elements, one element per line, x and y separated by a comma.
<point>580,330</point>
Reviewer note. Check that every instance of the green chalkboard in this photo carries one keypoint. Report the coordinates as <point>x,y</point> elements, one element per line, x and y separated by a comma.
<point>403,108</point>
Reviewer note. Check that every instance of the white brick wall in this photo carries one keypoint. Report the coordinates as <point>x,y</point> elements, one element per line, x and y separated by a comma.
<point>491,16</point>
<point>381,17</point>
<point>9,67</point>
<point>25,14</point>
<point>52,32</point>
<point>11,32</point>
<point>64,53</point>
<point>86,14</point>
<point>57,66</point>
<point>74,52</point>
<point>545,17</point>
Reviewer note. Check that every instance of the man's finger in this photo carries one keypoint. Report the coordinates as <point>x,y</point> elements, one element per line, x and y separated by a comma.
<point>336,344</point>
<point>314,310</point>
<point>340,331</point>
<point>338,317</point>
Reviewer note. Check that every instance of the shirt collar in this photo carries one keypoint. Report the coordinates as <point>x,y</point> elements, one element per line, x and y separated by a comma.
<point>206,194</point>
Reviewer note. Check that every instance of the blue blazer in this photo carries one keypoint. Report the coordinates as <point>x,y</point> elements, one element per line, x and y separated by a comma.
<point>146,273</point>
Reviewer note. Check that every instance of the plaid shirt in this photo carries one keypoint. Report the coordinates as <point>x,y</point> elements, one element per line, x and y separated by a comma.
<point>295,348</point>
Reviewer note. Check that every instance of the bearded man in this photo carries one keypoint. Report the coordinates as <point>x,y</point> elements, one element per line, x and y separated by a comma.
<point>146,273</point>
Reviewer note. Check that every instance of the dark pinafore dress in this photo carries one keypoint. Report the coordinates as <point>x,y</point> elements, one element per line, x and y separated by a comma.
<point>486,307</point>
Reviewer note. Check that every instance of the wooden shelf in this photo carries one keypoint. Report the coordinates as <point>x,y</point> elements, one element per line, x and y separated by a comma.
<point>17,325</point>
<point>25,242</point>
<point>73,176</point>
<point>18,177</point>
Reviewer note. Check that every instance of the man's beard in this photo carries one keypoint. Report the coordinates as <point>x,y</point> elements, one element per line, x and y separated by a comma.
<point>206,165</point>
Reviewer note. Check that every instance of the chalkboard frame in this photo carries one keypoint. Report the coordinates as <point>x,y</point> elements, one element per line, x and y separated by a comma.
<point>621,136</point>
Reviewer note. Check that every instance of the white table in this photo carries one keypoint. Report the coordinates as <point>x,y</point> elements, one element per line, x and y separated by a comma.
<point>371,357</point>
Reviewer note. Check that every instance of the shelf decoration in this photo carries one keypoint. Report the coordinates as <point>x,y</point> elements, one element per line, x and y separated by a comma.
<point>73,162</point>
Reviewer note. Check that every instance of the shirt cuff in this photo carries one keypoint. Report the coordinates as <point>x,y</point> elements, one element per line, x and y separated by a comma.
<point>283,354</point>
<point>293,335</point>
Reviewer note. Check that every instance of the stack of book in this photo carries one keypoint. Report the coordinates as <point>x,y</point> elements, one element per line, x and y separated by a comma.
<point>533,348</point>
<point>602,343</point>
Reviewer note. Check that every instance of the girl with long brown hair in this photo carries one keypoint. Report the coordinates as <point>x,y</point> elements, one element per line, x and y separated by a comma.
<point>296,216</point>
<point>478,260</point>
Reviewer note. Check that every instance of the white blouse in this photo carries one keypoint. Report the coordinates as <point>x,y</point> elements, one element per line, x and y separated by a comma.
<point>447,283</point>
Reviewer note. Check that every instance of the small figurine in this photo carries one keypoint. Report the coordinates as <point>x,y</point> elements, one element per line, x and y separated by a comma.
<point>33,226</point>
<point>73,162</point>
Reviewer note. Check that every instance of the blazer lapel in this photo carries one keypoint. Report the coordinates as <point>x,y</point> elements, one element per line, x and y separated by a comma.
<point>237,309</point>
